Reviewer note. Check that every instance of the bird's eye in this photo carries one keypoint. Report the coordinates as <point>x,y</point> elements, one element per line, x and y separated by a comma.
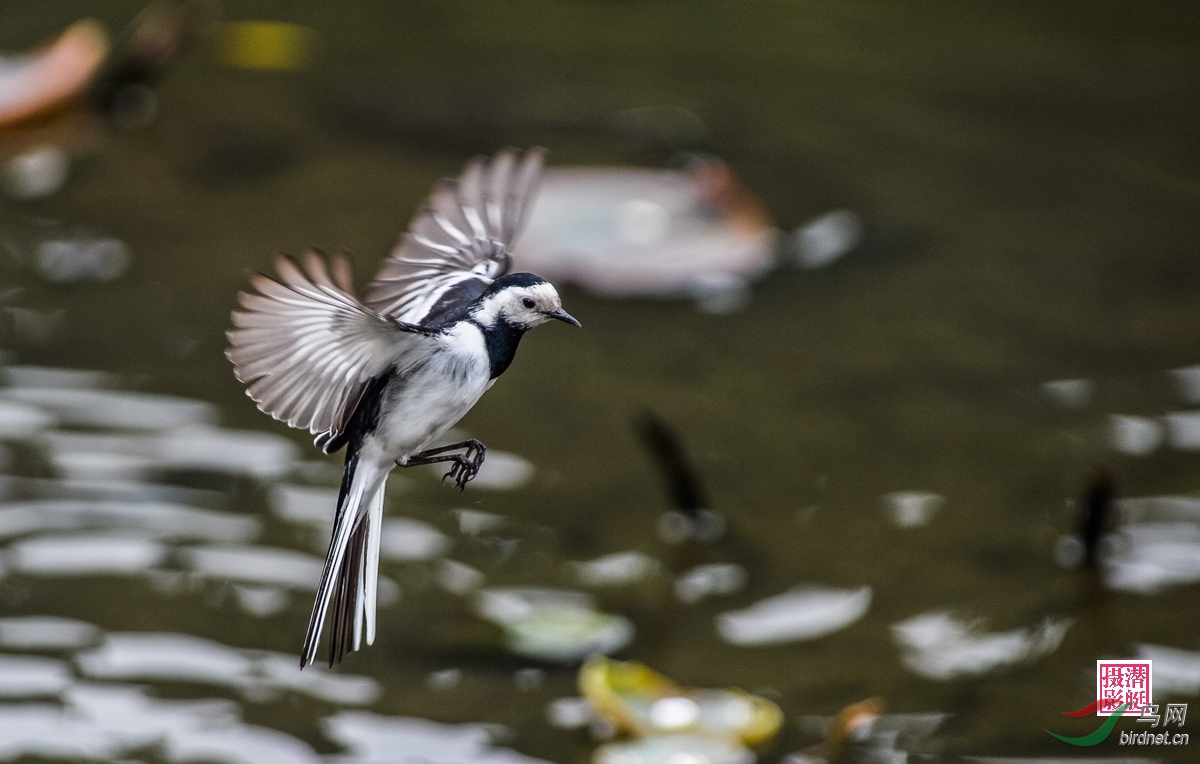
<point>528,302</point>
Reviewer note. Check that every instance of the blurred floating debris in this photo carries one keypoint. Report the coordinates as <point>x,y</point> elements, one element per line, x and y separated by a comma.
<point>23,676</point>
<point>1160,509</point>
<point>826,239</point>
<point>302,504</point>
<point>861,732</point>
<point>707,580</point>
<point>472,522</point>
<point>446,679</point>
<point>528,678</point>
<point>113,408</point>
<point>255,565</point>
<point>20,375</point>
<point>1175,670</point>
<point>673,749</point>
<point>258,455</point>
<point>803,613</point>
<point>1151,556</point>
<point>404,540</point>
<point>81,259</point>
<point>553,624</point>
<point>911,509</point>
<point>262,601</point>
<point>1183,430</point>
<point>148,519</point>
<point>85,555</point>
<point>644,703</point>
<point>269,45</point>
<point>375,739</point>
<point>36,173</point>
<point>616,569</point>
<point>36,632</point>
<point>569,713</point>
<point>503,471</point>
<point>107,722</point>
<point>1069,393</point>
<point>660,233</point>
<point>938,645</point>
<point>1187,379</point>
<point>141,656</point>
<point>21,422</point>
<point>37,82</point>
<point>1134,435</point>
<point>457,578</point>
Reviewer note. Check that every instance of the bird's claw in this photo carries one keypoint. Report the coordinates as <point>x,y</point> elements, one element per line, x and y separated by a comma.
<point>466,465</point>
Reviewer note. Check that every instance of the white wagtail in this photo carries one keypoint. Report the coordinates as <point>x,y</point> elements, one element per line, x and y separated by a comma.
<point>387,375</point>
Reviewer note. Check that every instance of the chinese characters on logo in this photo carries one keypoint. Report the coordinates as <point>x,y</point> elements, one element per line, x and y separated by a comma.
<point>1120,682</point>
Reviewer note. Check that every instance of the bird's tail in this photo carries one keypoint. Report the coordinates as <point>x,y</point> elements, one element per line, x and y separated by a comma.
<point>351,574</point>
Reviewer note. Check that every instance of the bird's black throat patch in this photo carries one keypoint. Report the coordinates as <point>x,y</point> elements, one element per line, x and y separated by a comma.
<point>501,339</point>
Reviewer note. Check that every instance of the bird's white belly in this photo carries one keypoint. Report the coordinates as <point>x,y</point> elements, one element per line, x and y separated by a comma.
<point>425,403</point>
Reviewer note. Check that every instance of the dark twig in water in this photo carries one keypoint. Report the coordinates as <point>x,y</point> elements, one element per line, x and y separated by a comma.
<point>1096,513</point>
<point>686,493</point>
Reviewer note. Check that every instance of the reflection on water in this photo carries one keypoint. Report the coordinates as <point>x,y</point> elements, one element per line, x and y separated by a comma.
<point>941,646</point>
<point>805,613</point>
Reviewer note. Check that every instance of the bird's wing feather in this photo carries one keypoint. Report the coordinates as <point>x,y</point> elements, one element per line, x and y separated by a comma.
<point>464,234</point>
<point>306,348</point>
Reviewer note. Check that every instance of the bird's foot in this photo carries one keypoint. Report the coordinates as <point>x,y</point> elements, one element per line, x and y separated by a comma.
<point>466,465</point>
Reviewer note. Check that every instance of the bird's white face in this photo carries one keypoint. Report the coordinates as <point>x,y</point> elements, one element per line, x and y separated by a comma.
<point>525,306</point>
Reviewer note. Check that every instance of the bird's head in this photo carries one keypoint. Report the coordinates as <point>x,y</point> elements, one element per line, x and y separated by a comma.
<point>521,300</point>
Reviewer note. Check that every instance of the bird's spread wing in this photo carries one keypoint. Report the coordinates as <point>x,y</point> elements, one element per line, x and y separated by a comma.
<point>306,348</point>
<point>460,241</point>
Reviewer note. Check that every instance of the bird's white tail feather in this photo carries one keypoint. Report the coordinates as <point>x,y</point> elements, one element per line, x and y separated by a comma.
<point>352,565</point>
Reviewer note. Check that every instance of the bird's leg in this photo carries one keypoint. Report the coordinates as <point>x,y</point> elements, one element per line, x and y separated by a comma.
<point>465,465</point>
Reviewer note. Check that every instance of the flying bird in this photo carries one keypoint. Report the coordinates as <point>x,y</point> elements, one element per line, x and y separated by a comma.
<point>384,376</point>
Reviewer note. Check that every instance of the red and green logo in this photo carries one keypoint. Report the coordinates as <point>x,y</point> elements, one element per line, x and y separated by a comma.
<point>1102,732</point>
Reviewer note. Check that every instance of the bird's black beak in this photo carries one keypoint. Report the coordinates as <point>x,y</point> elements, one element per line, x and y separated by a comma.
<point>563,316</point>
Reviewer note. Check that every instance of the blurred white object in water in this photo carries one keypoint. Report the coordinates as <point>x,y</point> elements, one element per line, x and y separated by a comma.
<point>376,739</point>
<point>160,520</point>
<point>85,555</point>
<point>37,172</point>
<point>112,408</point>
<point>35,632</point>
<point>25,375</point>
<point>25,676</point>
<point>569,713</point>
<point>937,645</point>
<point>503,471</point>
<point>553,624</point>
<point>616,569</point>
<point>457,577</point>
<point>1175,670</point>
<point>168,657</point>
<point>663,233</point>
<point>82,258</point>
<point>1187,379</point>
<point>1183,430</point>
<point>703,581</point>
<point>674,749</point>
<point>472,522</point>
<point>19,421</point>
<point>404,539</point>
<point>805,613</point>
<point>826,239</point>
<point>1069,393</point>
<point>1134,435</point>
<point>911,509</point>
<point>1154,555</point>
<point>303,504</point>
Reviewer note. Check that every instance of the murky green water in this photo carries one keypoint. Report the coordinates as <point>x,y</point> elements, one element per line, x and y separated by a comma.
<point>1033,178</point>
